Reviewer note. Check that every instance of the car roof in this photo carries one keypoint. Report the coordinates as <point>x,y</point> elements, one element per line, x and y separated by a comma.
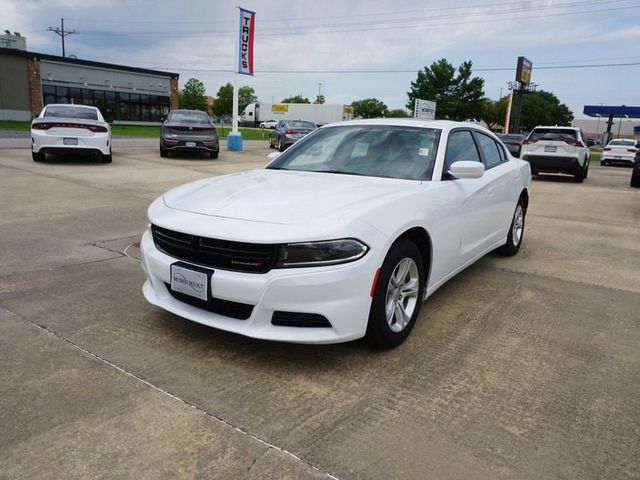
<point>558,127</point>
<point>412,122</point>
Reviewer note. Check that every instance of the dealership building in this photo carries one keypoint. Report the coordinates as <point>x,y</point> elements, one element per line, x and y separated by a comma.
<point>125,95</point>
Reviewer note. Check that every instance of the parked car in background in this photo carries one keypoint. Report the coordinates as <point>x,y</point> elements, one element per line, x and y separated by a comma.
<point>590,142</point>
<point>635,174</point>
<point>620,150</point>
<point>64,128</point>
<point>288,132</point>
<point>269,124</point>
<point>513,142</point>
<point>557,150</point>
<point>189,131</point>
<point>340,237</point>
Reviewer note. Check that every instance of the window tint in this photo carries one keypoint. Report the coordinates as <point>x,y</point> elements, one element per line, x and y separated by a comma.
<point>71,112</point>
<point>188,117</point>
<point>553,134</point>
<point>460,146</point>
<point>490,151</point>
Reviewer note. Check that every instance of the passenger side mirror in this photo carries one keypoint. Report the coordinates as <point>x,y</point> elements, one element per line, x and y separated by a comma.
<point>466,169</point>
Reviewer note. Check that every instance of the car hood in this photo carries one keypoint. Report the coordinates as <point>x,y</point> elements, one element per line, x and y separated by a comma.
<point>285,197</point>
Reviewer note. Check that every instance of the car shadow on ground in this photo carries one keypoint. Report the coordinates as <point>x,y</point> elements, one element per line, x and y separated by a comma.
<point>189,155</point>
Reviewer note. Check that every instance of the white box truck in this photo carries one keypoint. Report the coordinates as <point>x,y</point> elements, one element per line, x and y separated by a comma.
<point>320,114</point>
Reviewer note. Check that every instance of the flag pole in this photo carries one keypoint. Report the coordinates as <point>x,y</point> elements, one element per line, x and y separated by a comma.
<point>236,75</point>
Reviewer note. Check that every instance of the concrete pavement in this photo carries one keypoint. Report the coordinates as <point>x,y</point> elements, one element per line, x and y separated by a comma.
<point>521,368</point>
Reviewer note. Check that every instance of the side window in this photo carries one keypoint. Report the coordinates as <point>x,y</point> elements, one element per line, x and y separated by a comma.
<point>460,146</point>
<point>490,151</point>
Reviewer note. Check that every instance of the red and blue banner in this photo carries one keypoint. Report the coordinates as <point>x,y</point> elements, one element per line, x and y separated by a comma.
<point>246,33</point>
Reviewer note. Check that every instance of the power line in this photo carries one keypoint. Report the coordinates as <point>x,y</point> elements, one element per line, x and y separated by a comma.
<point>402,70</point>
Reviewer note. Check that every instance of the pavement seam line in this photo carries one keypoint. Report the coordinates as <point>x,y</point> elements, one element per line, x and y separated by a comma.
<point>199,409</point>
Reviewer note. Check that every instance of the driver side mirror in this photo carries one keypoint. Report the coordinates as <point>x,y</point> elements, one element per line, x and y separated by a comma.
<point>466,169</point>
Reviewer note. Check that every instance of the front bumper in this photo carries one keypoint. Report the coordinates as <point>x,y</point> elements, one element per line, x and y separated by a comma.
<point>339,293</point>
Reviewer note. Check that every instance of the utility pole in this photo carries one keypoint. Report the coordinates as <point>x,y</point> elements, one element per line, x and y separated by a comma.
<point>60,31</point>
<point>319,89</point>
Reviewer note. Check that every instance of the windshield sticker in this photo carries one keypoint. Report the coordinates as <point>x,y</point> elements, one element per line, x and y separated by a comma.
<point>360,150</point>
<point>423,152</point>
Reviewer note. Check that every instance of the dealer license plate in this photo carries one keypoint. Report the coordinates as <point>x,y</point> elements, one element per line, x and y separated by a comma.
<point>189,281</point>
<point>70,141</point>
<point>191,144</point>
<point>550,148</point>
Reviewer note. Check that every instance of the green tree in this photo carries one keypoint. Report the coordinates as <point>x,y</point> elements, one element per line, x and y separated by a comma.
<point>319,99</point>
<point>369,108</point>
<point>224,99</point>
<point>397,113</point>
<point>543,108</point>
<point>458,95</point>
<point>296,99</point>
<point>192,95</point>
<point>493,112</point>
<point>246,95</point>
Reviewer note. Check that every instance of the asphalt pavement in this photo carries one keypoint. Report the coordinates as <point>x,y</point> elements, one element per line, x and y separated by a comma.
<point>519,368</point>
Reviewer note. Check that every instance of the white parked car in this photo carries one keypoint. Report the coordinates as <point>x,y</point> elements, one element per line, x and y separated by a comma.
<point>269,124</point>
<point>340,237</point>
<point>64,128</point>
<point>621,150</point>
<point>557,150</point>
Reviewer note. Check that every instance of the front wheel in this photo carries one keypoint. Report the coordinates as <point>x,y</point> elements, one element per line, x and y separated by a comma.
<point>397,296</point>
<point>516,232</point>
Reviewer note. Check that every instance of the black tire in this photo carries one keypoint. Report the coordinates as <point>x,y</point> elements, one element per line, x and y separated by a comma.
<point>534,172</point>
<point>635,181</point>
<point>37,157</point>
<point>163,153</point>
<point>281,145</point>
<point>379,331</point>
<point>512,245</point>
<point>578,177</point>
<point>213,155</point>
<point>106,158</point>
<point>603,163</point>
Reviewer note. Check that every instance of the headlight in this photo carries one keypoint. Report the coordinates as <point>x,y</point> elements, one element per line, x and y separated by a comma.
<point>315,254</point>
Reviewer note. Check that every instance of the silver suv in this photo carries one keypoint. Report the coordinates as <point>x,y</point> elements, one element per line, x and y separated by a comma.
<point>557,150</point>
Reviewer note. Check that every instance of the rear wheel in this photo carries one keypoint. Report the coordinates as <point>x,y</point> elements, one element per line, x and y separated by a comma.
<point>106,158</point>
<point>163,152</point>
<point>37,156</point>
<point>281,146</point>
<point>602,162</point>
<point>516,231</point>
<point>578,177</point>
<point>397,296</point>
<point>213,155</point>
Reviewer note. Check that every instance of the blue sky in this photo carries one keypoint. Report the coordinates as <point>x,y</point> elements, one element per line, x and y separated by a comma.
<point>394,38</point>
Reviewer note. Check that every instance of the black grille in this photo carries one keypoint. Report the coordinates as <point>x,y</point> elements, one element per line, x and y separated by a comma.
<point>223,254</point>
<point>239,311</point>
<point>294,319</point>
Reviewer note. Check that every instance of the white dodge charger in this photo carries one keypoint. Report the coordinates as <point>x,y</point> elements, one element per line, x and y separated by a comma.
<point>340,237</point>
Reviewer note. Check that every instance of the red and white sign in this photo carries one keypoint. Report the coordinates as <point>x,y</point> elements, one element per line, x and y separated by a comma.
<point>246,32</point>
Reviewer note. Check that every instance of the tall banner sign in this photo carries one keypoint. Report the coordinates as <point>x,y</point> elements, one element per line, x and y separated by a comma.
<point>245,40</point>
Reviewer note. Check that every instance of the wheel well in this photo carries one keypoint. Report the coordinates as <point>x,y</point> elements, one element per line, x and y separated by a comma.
<point>525,199</point>
<point>422,240</point>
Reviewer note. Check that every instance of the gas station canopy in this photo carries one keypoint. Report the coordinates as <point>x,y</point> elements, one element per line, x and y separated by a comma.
<point>611,111</point>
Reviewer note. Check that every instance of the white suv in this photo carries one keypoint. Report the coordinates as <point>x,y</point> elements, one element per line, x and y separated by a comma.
<point>557,150</point>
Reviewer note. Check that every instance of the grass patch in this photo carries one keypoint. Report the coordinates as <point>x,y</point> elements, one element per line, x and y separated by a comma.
<point>15,126</point>
<point>146,131</point>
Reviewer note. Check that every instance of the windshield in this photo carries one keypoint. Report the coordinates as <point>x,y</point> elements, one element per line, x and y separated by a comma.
<point>372,150</point>
<point>188,117</point>
<point>71,112</point>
